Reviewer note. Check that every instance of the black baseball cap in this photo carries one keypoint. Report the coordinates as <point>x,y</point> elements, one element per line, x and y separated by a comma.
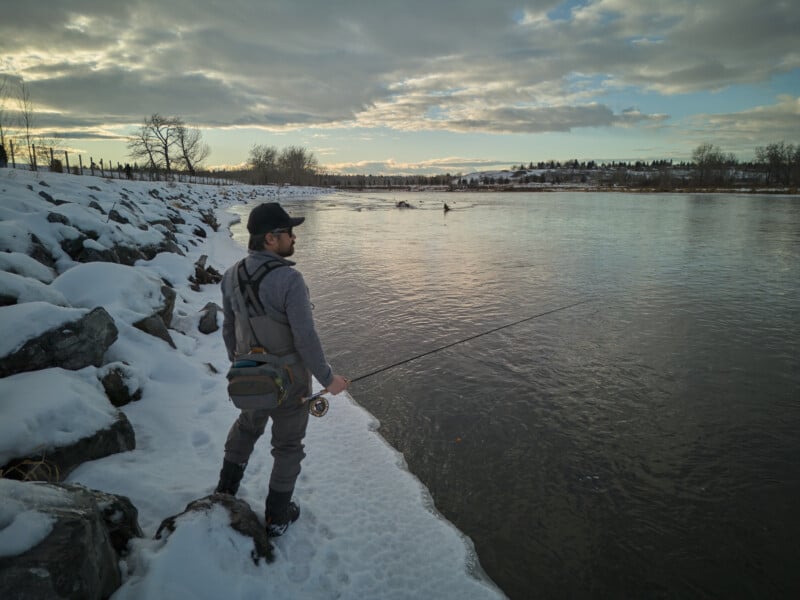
<point>270,216</point>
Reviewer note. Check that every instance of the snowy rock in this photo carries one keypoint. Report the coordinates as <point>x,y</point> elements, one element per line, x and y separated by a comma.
<point>130,294</point>
<point>242,519</point>
<point>208,322</point>
<point>78,538</point>
<point>15,289</point>
<point>154,325</point>
<point>73,344</point>
<point>25,266</point>
<point>57,463</point>
<point>120,384</point>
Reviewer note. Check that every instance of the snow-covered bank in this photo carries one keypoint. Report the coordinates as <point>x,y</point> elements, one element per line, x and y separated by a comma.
<point>368,527</point>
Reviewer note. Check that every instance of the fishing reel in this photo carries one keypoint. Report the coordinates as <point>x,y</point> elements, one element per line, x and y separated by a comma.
<point>318,405</point>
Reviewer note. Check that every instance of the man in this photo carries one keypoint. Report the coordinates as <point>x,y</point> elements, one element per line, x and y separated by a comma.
<point>288,331</point>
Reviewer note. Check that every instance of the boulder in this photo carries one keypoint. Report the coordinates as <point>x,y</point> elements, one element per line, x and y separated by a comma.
<point>168,294</point>
<point>73,345</point>
<point>57,463</point>
<point>115,382</point>
<point>204,274</point>
<point>83,534</point>
<point>243,520</point>
<point>154,325</point>
<point>208,322</point>
<point>128,255</point>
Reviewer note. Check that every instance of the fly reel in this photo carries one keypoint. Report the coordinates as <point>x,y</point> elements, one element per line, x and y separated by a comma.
<point>318,406</point>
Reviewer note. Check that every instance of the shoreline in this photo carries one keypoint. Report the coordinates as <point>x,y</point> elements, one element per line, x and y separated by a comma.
<point>564,188</point>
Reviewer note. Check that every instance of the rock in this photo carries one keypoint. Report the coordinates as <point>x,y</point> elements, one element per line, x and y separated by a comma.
<point>39,252</point>
<point>57,463</point>
<point>90,254</point>
<point>116,387</point>
<point>154,325</point>
<point>208,322</point>
<point>243,520</point>
<point>57,218</point>
<point>79,556</point>
<point>168,294</point>
<point>47,197</point>
<point>203,274</point>
<point>115,216</point>
<point>72,345</point>
<point>128,255</point>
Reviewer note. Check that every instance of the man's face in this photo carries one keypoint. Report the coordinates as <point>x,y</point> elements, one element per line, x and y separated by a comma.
<point>281,242</point>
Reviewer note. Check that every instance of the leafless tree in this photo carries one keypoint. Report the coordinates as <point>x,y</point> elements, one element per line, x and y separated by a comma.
<point>191,147</point>
<point>5,94</point>
<point>711,164</point>
<point>297,165</point>
<point>781,161</point>
<point>167,143</point>
<point>263,161</point>
<point>156,142</point>
<point>26,118</point>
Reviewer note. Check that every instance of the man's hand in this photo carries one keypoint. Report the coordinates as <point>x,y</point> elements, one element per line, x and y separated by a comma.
<point>338,385</point>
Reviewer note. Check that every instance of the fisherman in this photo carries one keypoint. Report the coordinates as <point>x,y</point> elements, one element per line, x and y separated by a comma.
<point>289,332</point>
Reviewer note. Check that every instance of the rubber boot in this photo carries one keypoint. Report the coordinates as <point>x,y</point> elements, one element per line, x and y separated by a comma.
<point>280,513</point>
<point>229,478</point>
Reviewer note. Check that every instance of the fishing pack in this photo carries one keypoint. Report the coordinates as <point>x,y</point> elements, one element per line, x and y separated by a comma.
<point>259,379</point>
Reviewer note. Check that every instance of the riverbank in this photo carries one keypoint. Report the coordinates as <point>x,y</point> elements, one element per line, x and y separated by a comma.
<point>368,528</point>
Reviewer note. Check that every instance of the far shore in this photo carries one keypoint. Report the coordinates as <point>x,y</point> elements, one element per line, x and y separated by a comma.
<point>578,188</point>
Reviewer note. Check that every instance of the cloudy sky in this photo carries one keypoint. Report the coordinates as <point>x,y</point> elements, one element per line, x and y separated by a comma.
<point>373,86</point>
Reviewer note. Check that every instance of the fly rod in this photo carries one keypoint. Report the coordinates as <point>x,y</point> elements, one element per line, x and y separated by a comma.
<point>318,404</point>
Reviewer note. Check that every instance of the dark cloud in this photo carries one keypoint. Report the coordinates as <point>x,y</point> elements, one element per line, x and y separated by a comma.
<point>500,66</point>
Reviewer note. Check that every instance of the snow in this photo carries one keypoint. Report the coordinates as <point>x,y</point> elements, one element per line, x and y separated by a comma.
<point>50,408</point>
<point>22,322</point>
<point>21,525</point>
<point>129,294</point>
<point>368,527</point>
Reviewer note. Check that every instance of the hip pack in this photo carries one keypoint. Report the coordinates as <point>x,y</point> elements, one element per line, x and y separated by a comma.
<point>257,380</point>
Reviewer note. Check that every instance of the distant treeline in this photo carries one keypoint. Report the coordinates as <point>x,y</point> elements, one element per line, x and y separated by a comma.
<point>776,164</point>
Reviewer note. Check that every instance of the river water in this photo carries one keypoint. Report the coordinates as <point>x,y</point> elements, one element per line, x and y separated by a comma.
<point>642,444</point>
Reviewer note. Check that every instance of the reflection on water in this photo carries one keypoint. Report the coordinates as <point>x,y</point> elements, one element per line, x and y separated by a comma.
<point>643,444</point>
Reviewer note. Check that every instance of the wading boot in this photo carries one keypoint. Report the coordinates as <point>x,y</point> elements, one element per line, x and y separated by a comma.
<point>281,512</point>
<point>229,478</point>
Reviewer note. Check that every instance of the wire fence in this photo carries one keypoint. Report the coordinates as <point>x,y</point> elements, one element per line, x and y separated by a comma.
<point>58,161</point>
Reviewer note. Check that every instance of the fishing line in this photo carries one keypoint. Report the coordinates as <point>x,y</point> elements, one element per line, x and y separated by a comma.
<point>318,405</point>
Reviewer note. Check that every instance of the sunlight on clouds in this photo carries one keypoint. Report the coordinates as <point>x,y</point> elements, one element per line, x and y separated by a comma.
<point>79,23</point>
<point>281,68</point>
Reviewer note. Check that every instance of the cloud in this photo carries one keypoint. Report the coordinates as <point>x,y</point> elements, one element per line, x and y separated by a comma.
<point>470,65</point>
<point>739,132</point>
<point>453,165</point>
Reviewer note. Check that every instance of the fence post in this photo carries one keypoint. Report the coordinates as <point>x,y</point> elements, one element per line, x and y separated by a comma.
<point>66,160</point>
<point>34,166</point>
<point>80,164</point>
<point>101,168</point>
<point>52,157</point>
<point>91,164</point>
<point>13,160</point>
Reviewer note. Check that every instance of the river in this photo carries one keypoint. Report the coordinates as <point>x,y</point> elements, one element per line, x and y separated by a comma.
<point>644,443</point>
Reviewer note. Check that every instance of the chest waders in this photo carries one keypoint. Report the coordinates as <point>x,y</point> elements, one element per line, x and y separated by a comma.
<point>266,365</point>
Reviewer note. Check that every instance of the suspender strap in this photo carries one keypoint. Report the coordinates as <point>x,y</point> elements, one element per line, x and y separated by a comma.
<point>248,290</point>
<point>249,284</point>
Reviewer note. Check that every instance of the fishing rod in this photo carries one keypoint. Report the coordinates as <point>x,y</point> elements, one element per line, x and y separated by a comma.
<point>318,404</point>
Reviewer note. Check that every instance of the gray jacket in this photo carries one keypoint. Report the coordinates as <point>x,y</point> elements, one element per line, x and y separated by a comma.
<point>284,293</point>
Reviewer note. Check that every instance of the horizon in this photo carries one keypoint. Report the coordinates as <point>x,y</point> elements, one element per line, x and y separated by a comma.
<point>417,89</point>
